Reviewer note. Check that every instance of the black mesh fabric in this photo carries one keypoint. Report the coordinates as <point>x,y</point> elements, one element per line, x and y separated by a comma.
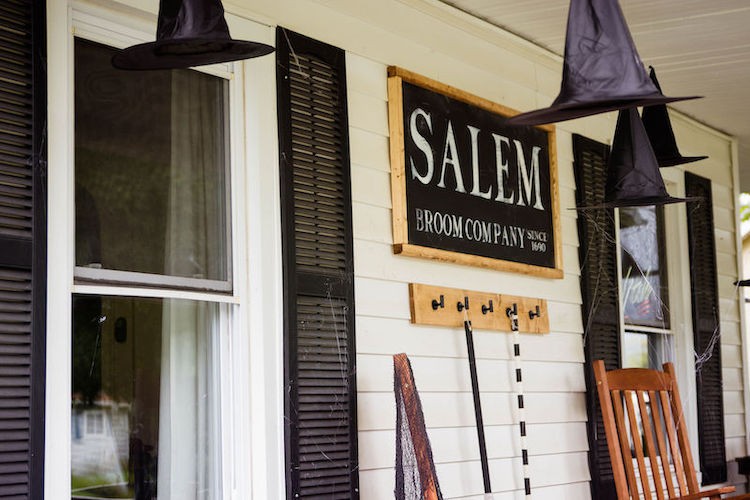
<point>415,469</point>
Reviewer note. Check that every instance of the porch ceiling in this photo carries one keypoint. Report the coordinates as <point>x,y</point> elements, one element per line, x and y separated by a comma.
<point>697,48</point>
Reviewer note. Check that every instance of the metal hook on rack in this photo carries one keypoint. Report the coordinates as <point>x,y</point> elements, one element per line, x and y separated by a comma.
<point>488,309</point>
<point>438,305</point>
<point>463,305</point>
<point>535,313</point>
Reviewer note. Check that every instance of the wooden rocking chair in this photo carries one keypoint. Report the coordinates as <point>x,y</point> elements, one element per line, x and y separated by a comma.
<point>647,436</point>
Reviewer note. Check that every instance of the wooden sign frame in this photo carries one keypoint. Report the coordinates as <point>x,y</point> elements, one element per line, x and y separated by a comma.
<point>401,244</point>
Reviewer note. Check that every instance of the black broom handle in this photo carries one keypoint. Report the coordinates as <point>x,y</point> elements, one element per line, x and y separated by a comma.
<point>477,406</point>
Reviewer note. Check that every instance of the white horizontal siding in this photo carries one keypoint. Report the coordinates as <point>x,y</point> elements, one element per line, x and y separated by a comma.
<point>375,373</point>
<point>553,364</point>
<point>552,475</point>
<point>455,409</point>
<point>388,335</point>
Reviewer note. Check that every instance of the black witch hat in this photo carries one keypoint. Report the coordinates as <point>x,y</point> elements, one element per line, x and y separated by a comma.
<point>659,129</point>
<point>633,177</point>
<point>601,69</point>
<point>189,33</point>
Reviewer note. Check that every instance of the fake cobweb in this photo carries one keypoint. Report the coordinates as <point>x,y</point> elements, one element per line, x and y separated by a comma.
<point>660,347</point>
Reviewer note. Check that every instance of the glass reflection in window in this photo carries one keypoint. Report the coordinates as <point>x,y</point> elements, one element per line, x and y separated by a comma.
<point>144,403</point>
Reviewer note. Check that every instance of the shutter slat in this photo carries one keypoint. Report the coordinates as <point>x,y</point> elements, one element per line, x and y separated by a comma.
<point>14,446</point>
<point>8,126</point>
<point>14,37</point>
<point>16,55</point>
<point>15,9</point>
<point>14,172</point>
<point>17,161</point>
<point>14,16</point>
<point>15,98</point>
<point>12,148</point>
<point>10,72</point>
<point>12,90</point>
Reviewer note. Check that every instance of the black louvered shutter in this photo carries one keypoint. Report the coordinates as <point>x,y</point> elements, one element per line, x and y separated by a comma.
<point>706,330</point>
<point>320,405</point>
<point>22,247</point>
<point>599,290</point>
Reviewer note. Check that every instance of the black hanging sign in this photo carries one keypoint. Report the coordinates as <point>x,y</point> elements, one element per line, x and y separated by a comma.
<point>467,187</point>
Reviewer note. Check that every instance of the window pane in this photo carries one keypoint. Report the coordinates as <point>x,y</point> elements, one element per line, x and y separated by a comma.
<point>644,271</point>
<point>144,407</point>
<point>151,169</point>
<point>646,350</point>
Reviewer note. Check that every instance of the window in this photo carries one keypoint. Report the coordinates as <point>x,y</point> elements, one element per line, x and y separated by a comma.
<point>152,212</point>
<point>94,423</point>
<point>644,291</point>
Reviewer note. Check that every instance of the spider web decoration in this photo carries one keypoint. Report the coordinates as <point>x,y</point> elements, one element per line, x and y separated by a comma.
<point>415,470</point>
<point>600,269</point>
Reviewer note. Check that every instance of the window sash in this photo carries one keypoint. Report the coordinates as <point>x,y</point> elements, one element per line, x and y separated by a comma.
<point>207,234</point>
<point>663,294</point>
<point>124,278</point>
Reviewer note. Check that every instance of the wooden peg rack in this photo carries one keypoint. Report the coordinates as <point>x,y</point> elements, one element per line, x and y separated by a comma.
<point>440,306</point>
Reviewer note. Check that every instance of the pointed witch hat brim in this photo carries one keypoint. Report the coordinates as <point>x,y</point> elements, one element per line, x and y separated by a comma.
<point>602,70</point>
<point>659,129</point>
<point>189,33</point>
<point>633,177</point>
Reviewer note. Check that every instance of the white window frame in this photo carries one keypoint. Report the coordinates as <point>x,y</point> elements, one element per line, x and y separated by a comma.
<point>251,380</point>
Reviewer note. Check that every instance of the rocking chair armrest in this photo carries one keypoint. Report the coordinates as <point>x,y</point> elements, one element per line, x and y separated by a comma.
<point>712,494</point>
<point>743,496</point>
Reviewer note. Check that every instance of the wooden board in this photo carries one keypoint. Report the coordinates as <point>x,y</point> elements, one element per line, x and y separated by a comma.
<point>441,306</point>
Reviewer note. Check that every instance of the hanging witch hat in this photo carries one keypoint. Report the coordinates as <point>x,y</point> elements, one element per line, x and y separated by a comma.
<point>189,33</point>
<point>633,177</point>
<point>601,69</point>
<point>659,129</point>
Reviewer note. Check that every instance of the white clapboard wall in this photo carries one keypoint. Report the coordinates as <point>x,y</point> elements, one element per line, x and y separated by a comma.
<point>553,374</point>
<point>427,37</point>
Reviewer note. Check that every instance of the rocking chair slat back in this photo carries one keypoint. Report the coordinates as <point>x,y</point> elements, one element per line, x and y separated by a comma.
<point>639,407</point>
